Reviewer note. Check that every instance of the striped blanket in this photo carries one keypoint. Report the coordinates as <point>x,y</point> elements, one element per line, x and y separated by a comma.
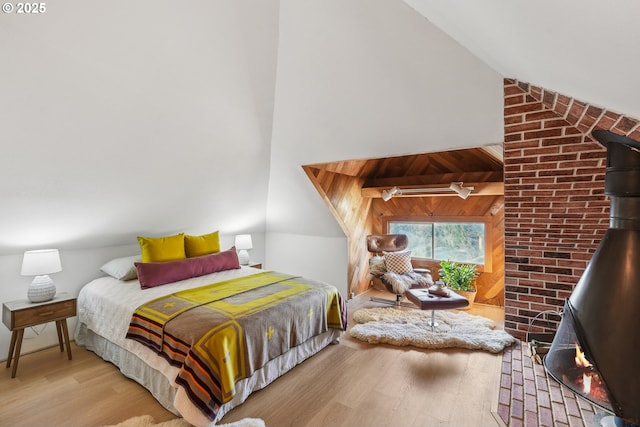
<point>221,333</point>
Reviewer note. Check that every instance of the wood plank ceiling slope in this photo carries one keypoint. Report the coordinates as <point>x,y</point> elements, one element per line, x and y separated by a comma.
<point>350,187</point>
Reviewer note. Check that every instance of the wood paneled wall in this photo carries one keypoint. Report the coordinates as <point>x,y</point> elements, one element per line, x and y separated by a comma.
<point>342,194</point>
<point>359,217</point>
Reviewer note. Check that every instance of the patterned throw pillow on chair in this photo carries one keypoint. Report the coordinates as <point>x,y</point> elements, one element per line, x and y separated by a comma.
<point>398,262</point>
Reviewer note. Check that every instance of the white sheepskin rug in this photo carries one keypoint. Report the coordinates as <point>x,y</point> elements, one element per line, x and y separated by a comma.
<point>148,421</point>
<point>412,327</point>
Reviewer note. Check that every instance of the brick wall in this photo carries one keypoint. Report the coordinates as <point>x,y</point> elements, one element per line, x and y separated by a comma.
<point>556,212</point>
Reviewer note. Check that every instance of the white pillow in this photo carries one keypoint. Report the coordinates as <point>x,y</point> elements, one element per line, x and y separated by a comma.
<point>398,262</point>
<point>122,268</point>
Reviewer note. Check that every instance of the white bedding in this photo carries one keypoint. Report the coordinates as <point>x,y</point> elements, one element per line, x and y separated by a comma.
<point>105,307</point>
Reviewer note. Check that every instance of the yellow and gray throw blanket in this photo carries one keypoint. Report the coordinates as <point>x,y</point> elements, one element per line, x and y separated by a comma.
<point>221,333</point>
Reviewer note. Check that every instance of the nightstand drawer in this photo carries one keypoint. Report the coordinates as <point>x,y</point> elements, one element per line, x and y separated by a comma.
<point>44,313</point>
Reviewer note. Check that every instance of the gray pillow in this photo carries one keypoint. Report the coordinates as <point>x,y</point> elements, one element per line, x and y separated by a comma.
<point>377,265</point>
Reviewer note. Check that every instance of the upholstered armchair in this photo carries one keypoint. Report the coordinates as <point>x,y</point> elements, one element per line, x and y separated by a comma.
<point>390,267</point>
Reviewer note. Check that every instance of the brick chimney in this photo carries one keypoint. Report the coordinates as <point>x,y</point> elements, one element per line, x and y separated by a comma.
<point>556,212</point>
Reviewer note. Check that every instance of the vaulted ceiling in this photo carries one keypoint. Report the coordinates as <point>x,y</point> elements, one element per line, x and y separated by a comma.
<point>583,49</point>
<point>135,124</point>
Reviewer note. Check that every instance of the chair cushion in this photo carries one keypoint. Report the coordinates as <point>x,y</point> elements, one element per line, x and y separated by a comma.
<point>377,243</point>
<point>398,262</point>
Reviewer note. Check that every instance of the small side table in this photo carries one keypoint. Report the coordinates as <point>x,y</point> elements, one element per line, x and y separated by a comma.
<point>20,314</point>
<point>425,300</point>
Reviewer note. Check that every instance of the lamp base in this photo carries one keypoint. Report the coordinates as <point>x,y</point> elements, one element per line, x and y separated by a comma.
<point>41,289</point>
<point>243,257</point>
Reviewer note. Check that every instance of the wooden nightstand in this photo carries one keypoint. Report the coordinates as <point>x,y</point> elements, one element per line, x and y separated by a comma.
<point>255,264</point>
<point>20,314</point>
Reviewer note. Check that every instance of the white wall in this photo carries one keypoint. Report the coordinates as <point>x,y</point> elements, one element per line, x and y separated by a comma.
<point>363,79</point>
<point>307,256</point>
<point>125,118</point>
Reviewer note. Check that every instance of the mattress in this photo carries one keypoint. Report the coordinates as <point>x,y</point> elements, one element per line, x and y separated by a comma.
<point>105,307</point>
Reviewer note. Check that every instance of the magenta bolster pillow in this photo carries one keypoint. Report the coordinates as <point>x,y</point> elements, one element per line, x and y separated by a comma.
<point>151,274</point>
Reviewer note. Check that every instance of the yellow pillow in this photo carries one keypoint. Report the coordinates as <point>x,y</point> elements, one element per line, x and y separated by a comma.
<point>202,245</point>
<point>160,249</point>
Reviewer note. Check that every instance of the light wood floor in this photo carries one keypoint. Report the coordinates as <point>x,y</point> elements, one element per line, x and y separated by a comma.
<point>350,384</point>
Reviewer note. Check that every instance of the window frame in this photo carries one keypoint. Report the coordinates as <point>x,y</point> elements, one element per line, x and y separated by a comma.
<point>488,231</point>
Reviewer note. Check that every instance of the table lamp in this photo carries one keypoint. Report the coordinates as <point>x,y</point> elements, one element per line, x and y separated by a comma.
<point>40,263</point>
<point>243,244</point>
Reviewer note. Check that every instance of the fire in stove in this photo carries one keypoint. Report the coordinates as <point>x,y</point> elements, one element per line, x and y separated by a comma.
<point>588,373</point>
<point>578,374</point>
<point>583,379</point>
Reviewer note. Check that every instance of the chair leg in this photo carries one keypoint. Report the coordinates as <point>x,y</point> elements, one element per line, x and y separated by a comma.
<point>396,303</point>
<point>383,300</point>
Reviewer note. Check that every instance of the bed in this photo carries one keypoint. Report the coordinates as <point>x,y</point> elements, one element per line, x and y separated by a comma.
<point>118,320</point>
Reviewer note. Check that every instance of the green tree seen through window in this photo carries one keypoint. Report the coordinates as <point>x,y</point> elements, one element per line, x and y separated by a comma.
<point>456,241</point>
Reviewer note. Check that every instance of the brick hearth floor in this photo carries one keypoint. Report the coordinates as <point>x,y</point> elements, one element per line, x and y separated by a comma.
<point>529,397</point>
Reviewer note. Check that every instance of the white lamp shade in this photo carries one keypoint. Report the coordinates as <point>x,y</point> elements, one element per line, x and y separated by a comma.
<point>243,241</point>
<point>39,262</point>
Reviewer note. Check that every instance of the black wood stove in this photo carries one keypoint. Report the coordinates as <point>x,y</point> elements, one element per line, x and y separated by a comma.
<point>596,351</point>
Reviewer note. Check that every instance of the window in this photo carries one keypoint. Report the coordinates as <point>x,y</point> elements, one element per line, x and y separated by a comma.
<point>439,239</point>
